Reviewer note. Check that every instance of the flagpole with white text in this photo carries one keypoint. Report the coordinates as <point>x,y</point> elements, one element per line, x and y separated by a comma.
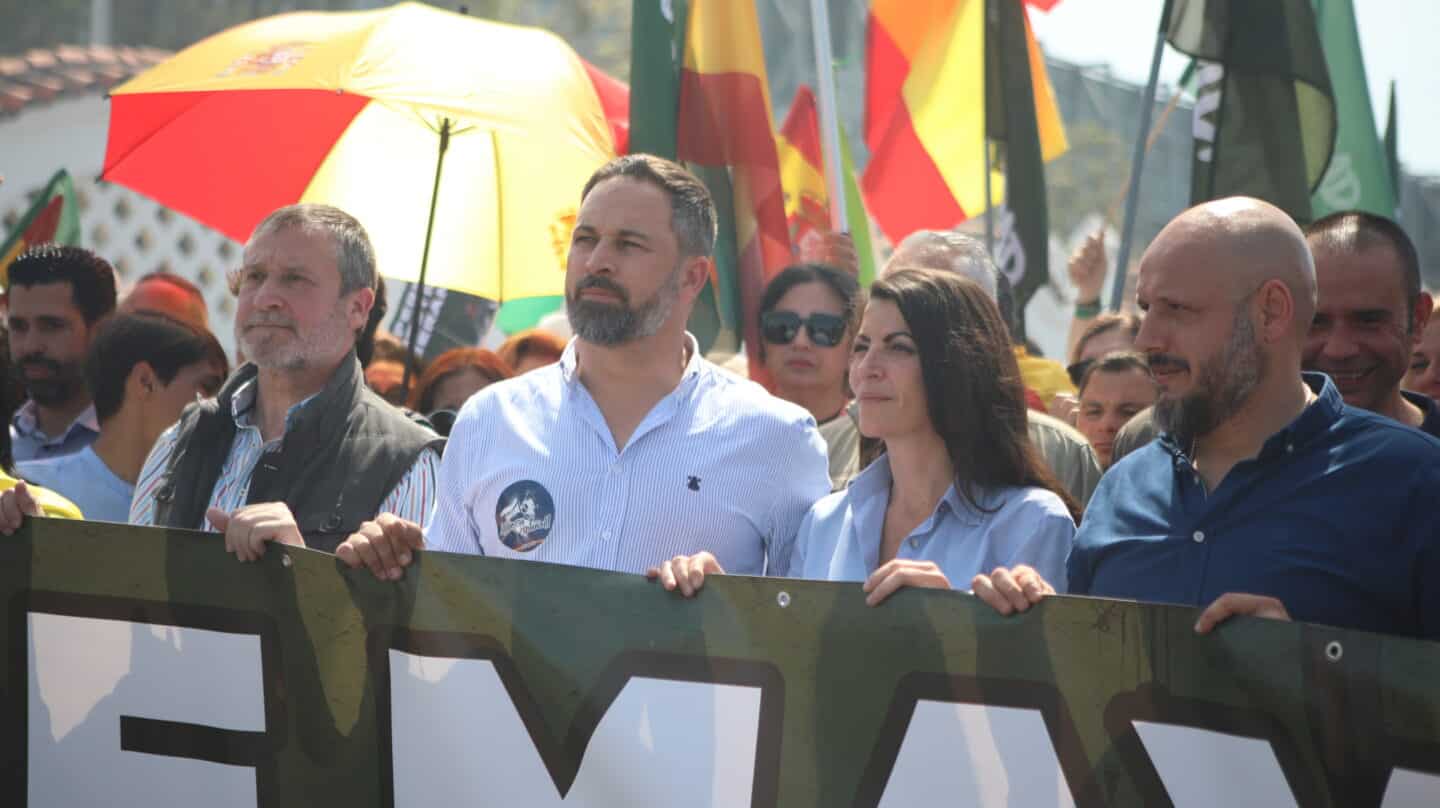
<point>829,117</point>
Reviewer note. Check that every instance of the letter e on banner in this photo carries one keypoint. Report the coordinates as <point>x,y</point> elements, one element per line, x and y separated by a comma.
<point>128,713</point>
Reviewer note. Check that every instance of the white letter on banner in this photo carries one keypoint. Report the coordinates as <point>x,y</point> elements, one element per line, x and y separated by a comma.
<point>1210,78</point>
<point>1411,789</point>
<point>974,754</point>
<point>1009,249</point>
<point>86,673</point>
<point>1201,767</point>
<point>458,739</point>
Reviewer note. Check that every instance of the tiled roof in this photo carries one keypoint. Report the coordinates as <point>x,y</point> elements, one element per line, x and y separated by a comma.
<point>44,74</point>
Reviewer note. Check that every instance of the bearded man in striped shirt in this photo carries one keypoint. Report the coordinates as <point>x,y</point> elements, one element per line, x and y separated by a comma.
<point>633,448</point>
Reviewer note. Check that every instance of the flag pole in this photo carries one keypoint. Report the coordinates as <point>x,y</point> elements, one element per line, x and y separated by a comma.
<point>829,118</point>
<point>985,125</point>
<point>419,288</point>
<point>1132,200</point>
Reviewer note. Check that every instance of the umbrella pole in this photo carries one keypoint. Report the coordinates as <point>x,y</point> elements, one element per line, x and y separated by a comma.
<point>419,288</point>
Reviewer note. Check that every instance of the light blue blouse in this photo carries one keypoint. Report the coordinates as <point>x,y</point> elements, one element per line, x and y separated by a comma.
<point>839,539</point>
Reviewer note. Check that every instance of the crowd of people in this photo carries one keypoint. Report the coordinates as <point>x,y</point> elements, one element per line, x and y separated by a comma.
<point>1262,440</point>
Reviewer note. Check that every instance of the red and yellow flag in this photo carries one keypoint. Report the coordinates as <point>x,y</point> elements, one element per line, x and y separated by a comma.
<point>53,217</point>
<point>925,113</point>
<point>724,122</point>
<point>802,169</point>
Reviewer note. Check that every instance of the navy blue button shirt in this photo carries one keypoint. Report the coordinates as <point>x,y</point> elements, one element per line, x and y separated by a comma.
<point>1338,517</point>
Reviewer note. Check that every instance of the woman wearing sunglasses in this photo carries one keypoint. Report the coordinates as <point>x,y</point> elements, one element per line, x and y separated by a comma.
<point>808,316</point>
<point>958,488</point>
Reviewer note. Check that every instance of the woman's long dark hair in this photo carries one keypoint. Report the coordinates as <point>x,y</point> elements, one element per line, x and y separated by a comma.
<point>973,391</point>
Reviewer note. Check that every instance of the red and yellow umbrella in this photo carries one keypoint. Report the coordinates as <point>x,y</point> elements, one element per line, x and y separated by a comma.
<point>348,109</point>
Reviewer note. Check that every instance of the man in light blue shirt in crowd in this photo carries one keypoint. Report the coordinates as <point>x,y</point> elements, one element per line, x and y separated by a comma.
<point>632,448</point>
<point>142,370</point>
<point>57,297</point>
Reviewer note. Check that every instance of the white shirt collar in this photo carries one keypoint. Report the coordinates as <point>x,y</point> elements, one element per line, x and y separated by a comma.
<point>570,359</point>
<point>26,422</point>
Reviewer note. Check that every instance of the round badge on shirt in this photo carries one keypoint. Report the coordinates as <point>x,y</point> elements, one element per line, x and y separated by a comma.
<point>524,515</point>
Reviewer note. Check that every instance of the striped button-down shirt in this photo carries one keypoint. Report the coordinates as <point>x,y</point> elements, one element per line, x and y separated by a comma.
<point>532,472</point>
<point>411,499</point>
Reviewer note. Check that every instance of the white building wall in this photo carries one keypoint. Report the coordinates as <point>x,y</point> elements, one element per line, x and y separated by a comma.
<point>132,232</point>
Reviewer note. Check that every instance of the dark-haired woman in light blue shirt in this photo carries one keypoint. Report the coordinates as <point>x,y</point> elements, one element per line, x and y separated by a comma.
<point>957,489</point>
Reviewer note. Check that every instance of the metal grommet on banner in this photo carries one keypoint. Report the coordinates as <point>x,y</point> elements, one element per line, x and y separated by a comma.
<point>783,599</point>
<point>1334,650</point>
<point>286,560</point>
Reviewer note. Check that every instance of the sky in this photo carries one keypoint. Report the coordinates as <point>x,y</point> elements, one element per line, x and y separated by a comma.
<point>1395,35</point>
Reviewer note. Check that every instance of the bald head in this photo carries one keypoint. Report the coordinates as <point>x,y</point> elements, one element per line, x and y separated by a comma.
<point>1240,243</point>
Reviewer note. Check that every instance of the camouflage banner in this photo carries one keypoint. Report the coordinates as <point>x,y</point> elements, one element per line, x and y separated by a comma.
<point>149,668</point>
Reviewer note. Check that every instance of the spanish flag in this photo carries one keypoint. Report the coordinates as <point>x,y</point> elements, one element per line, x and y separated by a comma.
<point>802,169</point>
<point>710,108</point>
<point>802,173</point>
<point>724,123</point>
<point>926,116</point>
<point>53,218</point>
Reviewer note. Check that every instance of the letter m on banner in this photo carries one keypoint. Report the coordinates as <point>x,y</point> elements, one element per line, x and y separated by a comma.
<point>465,729</point>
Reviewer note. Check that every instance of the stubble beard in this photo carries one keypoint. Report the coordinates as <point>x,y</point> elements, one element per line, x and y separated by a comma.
<point>300,351</point>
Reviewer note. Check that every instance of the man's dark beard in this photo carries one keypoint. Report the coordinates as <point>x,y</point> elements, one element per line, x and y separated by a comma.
<point>66,381</point>
<point>613,324</point>
<point>1222,386</point>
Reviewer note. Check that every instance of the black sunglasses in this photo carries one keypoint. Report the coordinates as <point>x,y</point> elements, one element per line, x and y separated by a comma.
<point>780,328</point>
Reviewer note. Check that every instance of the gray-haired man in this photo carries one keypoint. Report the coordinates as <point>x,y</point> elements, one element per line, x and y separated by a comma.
<point>295,448</point>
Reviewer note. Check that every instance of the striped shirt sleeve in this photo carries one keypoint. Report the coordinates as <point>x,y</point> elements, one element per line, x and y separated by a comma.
<point>448,529</point>
<point>142,503</point>
<point>415,493</point>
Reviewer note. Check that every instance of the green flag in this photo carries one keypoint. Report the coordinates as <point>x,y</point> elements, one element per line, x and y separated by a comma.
<point>1022,222</point>
<point>657,40</point>
<point>54,217</point>
<point>855,213</point>
<point>1358,177</point>
<point>1392,153</point>
<point>1264,113</point>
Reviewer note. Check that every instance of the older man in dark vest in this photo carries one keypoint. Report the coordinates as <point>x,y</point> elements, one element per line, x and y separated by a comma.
<point>295,448</point>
